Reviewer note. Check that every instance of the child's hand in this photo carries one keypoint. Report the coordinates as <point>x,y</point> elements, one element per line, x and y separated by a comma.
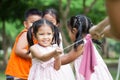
<point>80,49</point>
<point>58,51</point>
<point>96,32</point>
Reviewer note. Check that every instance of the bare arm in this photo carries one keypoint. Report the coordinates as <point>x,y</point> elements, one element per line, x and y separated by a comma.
<point>96,30</point>
<point>113,11</point>
<point>21,47</point>
<point>44,57</point>
<point>107,33</point>
<point>57,63</point>
<point>101,25</point>
<point>72,55</point>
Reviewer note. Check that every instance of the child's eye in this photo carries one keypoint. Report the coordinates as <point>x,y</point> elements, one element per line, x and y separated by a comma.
<point>49,33</point>
<point>41,34</point>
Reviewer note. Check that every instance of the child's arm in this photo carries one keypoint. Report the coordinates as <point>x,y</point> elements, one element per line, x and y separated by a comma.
<point>72,55</point>
<point>44,57</point>
<point>21,45</point>
<point>57,62</point>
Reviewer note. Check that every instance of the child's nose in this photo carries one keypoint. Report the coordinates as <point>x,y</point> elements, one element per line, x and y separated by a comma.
<point>46,36</point>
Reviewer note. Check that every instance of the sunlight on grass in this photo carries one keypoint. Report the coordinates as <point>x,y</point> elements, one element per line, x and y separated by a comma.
<point>2,76</point>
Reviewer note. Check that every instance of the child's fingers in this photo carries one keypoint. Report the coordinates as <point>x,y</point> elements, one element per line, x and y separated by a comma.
<point>58,50</point>
<point>80,47</point>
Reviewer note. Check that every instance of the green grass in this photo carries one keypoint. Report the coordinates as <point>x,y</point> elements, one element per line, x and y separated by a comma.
<point>2,76</point>
<point>113,73</point>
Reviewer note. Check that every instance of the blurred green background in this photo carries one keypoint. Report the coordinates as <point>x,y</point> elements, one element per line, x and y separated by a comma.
<point>12,17</point>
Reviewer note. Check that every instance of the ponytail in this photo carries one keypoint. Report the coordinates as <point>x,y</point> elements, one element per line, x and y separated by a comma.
<point>56,35</point>
<point>30,37</point>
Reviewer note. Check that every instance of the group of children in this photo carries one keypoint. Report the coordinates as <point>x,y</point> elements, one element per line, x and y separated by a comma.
<point>38,52</point>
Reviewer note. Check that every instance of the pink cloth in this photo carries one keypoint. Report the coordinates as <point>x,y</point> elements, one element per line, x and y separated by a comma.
<point>89,60</point>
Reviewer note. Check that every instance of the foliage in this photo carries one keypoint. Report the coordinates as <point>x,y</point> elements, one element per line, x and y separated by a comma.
<point>14,14</point>
<point>114,45</point>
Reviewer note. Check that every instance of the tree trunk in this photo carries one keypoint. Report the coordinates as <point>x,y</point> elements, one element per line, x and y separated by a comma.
<point>64,13</point>
<point>4,45</point>
<point>86,9</point>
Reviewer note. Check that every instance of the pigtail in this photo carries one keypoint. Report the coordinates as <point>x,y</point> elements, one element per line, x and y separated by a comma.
<point>79,33</point>
<point>30,37</point>
<point>56,35</point>
<point>78,37</point>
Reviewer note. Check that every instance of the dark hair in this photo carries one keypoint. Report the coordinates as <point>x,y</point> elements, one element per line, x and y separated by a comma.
<point>82,23</point>
<point>32,11</point>
<point>52,12</point>
<point>36,25</point>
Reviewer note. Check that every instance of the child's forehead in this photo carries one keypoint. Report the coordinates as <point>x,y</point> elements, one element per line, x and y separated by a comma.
<point>49,16</point>
<point>34,18</point>
<point>45,27</point>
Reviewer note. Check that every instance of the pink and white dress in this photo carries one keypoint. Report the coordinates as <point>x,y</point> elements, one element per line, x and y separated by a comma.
<point>45,71</point>
<point>90,65</point>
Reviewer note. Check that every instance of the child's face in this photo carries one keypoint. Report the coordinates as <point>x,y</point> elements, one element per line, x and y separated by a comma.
<point>51,18</point>
<point>32,18</point>
<point>44,35</point>
<point>72,34</point>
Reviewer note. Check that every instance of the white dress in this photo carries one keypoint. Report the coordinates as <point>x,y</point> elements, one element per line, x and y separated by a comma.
<point>101,71</point>
<point>45,71</point>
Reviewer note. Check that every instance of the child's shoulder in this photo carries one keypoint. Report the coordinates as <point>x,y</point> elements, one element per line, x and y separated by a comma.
<point>22,34</point>
<point>34,46</point>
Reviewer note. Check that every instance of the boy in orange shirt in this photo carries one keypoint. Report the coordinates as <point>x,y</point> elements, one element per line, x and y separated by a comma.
<point>20,62</point>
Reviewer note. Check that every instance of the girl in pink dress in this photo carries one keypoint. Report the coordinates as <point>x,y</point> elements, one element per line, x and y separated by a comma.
<point>46,61</point>
<point>51,15</point>
<point>90,65</point>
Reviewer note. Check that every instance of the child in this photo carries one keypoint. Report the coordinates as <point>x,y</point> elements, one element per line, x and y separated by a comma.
<point>45,55</point>
<point>52,15</point>
<point>90,65</point>
<point>20,62</point>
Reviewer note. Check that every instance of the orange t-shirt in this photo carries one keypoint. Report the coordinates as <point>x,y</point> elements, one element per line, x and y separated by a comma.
<point>18,66</point>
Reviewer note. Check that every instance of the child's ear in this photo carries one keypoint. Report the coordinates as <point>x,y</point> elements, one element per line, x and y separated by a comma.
<point>25,24</point>
<point>74,30</point>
